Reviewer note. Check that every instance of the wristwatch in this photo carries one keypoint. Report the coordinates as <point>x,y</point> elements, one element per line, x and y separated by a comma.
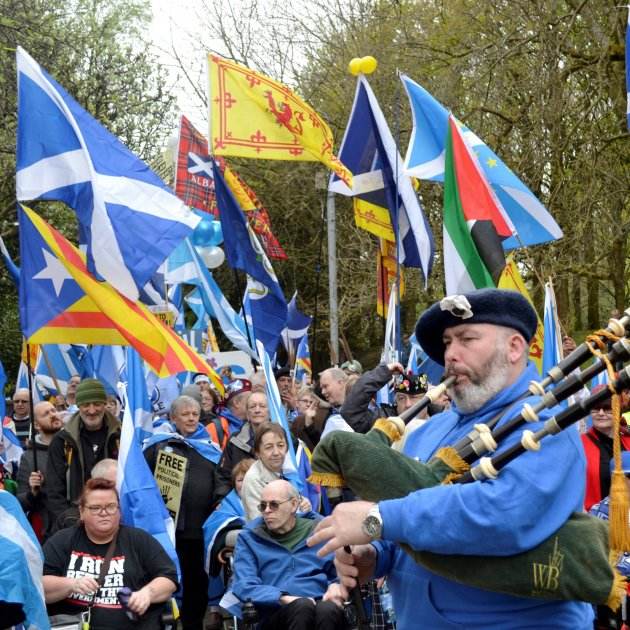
<point>372,525</point>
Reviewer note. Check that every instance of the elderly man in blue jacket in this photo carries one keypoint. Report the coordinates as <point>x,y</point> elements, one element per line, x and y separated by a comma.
<point>286,580</point>
<point>482,338</point>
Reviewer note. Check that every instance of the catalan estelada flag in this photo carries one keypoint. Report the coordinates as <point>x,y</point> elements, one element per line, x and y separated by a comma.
<point>61,302</point>
<point>254,116</point>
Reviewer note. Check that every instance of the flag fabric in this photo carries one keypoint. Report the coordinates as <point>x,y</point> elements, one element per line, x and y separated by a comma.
<point>11,450</point>
<point>109,366</point>
<point>243,251</point>
<point>552,346</point>
<point>425,159</point>
<point>512,280</point>
<point>57,363</point>
<point>370,152</point>
<point>386,275</point>
<point>141,503</point>
<point>22,564</point>
<point>297,325</point>
<point>12,268</point>
<point>374,219</point>
<point>390,345</point>
<point>194,183</point>
<point>254,116</point>
<point>185,265</point>
<point>61,302</point>
<point>303,367</point>
<point>129,219</point>
<point>195,302</point>
<point>628,69</point>
<point>474,222</point>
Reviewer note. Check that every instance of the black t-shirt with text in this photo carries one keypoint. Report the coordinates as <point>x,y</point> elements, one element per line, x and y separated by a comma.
<point>138,558</point>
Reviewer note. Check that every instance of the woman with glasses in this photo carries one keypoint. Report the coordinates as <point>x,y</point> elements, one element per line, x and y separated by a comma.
<point>78,578</point>
<point>598,448</point>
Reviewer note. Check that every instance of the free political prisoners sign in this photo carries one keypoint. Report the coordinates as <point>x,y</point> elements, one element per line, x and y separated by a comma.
<point>170,475</point>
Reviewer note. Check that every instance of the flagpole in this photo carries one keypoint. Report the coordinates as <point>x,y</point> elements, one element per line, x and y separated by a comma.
<point>397,338</point>
<point>49,368</point>
<point>31,405</point>
<point>240,292</point>
<point>332,277</point>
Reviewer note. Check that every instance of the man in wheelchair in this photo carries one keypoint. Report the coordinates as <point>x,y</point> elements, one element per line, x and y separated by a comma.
<point>289,585</point>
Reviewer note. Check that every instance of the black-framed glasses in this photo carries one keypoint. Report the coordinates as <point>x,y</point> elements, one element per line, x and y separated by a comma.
<point>272,505</point>
<point>110,509</point>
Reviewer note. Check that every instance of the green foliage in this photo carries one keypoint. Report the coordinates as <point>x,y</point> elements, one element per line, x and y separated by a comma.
<point>96,49</point>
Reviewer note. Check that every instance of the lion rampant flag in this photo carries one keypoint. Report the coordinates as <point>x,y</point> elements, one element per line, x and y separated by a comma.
<point>254,116</point>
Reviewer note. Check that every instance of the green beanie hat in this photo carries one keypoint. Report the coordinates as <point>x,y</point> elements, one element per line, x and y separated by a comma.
<point>90,390</point>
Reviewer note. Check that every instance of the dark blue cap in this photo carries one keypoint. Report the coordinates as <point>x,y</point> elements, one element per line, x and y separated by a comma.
<point>484,306</point>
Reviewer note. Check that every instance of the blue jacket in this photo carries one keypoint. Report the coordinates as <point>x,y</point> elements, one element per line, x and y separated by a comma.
<point>264,569</point>
<point>531,498</point>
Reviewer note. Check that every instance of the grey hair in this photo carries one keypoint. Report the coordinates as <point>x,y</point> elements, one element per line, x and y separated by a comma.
<point>183,401</point>
<point>335,373</point>
<point>101,468</point>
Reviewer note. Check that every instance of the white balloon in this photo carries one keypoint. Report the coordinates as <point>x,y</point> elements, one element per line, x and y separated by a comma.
<point>213,256</point>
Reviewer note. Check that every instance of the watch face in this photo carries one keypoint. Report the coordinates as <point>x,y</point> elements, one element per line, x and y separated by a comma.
<point>372,526</point>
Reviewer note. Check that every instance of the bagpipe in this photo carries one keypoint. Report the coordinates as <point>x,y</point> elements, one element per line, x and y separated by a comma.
<point>577,562</point>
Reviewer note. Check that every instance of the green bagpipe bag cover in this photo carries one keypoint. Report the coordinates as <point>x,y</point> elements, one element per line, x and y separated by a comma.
<point>575,563</point>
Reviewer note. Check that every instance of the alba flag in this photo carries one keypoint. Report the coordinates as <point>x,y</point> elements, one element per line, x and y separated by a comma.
<point>61,302</point>
<point>254,116</point>
<point>474,221</point>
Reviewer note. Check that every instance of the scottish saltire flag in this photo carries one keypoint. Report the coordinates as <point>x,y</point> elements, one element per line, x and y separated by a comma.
<point>195,302</point>
<point>426,365</point>
<point>425,159</point>
<point>22,564</point>
<point>297,325</point>
<point>128,218</point>
<point>277,414</point>
<point>12,268</point>
<point>412,361</point>
<point>21,382</point>
<point>243,251</point>
<point>57,363</point>
<point>10,450</point>
<point>369,150</point>
<point>109,366</point>
<point>176,301</point>
<point>552,345</point>
<point>303,367</point>
<point>141,503</point>
<point>185,265</point>
<point>628,69</point>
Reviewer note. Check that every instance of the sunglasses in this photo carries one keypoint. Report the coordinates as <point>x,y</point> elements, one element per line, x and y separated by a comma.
<point>272,505</point>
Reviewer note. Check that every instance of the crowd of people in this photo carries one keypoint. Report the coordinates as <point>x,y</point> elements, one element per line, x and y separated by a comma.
<point>244,530</point>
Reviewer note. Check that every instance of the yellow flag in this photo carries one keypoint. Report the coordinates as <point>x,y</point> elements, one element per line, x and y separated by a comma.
<point>254,116</point>
<point>386,276</point>
<point>374,219</point>
<point>511,279</point>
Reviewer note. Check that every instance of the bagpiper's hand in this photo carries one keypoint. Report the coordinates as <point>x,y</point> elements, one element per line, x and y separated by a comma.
<point>343,527</point>
<point>358,565</point>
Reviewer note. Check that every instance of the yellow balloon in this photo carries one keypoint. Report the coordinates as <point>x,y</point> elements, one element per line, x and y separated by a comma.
<point>354,67</point>
<point>368,64</point>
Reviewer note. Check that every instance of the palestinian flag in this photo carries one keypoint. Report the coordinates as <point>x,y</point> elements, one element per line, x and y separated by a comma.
<point>475,223</point>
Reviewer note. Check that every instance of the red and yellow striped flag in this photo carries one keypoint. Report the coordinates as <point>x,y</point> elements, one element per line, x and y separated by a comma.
<point>97,312</point>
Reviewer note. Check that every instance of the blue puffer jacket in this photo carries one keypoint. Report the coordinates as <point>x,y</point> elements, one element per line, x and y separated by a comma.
<point>264,570</point>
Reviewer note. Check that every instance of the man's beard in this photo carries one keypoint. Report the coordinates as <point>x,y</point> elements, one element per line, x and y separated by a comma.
<point>488,381</point>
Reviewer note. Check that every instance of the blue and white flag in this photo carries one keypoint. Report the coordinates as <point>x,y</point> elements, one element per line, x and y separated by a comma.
<point>552,340</point>
<point>22,564</point>
<point>243,251</point>
<point>128,218</point>
<point>277,414</point>
<point>297,325</point>
<point>303,365</point>
<point>195,302</point>
<point>109,366</point>
<point>21,382</point>
<point>141,503</point>
<point>12,268</point>
<point>185,265</point>
<point>58,363</point>
<point>425,160</point>
<point>369,150</point>
<point>426,365</point>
